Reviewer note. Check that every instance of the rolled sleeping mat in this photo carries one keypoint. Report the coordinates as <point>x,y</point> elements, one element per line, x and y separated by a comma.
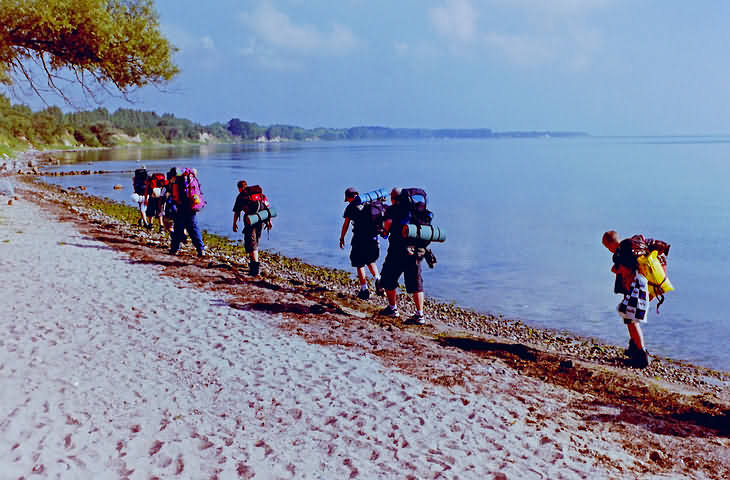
<point>428,233</point>
<point>373,195</point>
<point>261,216</point>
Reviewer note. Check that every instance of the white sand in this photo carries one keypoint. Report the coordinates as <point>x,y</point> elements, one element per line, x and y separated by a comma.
<point>109,370</point>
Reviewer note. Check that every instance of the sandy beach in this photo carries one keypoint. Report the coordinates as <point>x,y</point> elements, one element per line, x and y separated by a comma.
<point>119,361</point>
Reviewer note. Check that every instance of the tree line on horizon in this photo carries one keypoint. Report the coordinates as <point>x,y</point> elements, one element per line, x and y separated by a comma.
<point>250,131</point>
<point>20,127</point>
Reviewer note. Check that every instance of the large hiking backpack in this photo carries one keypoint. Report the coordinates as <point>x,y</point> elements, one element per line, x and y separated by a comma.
<point>369,219</point>
<point>139,181</point>
<point>186,191</point>
<point>157,182</point>
<point>256,201</point>
<point>414,201</point>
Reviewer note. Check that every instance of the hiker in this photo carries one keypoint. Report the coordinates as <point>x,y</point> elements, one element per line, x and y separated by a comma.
<point>403,256</point>
<point>366,221</point>
<point>634,307</point>
<point>168,204</point>
<point>188,201</point>
<point>251,200</point>
<point>139,184</point>
<point>154,198</point>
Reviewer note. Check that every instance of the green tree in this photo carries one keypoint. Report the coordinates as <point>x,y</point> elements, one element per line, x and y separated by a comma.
<point>97,44</point>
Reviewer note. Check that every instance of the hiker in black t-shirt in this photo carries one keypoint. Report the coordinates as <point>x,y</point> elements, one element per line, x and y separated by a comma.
<point>634,308</point>
<point>365,248</point>
<point>403,258</point>
<point>247,202</point>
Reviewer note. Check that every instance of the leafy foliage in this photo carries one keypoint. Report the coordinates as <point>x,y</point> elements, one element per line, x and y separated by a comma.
<point>97,43</point>
<point>20,126</point>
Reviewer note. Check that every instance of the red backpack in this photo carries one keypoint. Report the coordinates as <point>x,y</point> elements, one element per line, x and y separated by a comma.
<point>255,199</point>
<point>157,180</point>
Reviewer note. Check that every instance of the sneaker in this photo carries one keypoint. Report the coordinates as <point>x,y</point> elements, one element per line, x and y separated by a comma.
<point>379,290</point>
<point>363,294</point>
<point>390,312</point>
<point>416,319</point>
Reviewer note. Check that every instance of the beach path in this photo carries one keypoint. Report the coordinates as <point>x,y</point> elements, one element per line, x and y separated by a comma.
<point>110,368</point>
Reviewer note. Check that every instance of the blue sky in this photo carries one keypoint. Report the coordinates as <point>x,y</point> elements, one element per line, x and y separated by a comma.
<point>608,67</point>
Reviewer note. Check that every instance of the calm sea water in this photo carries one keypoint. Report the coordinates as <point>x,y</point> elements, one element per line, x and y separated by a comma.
<point>524,219</point>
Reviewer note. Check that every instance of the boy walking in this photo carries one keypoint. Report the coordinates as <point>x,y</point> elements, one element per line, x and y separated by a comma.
<point>403,258</point>
<point>365,248</point>
<point>634,307</point>
<point>251,200</point>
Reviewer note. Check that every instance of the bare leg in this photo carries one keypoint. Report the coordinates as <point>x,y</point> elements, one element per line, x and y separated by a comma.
<point>392,297</point>
<point>418,300</point>
<point>636,334</point>
<point>143,213</point>
<point>361,276</point>
<point>373,269</point>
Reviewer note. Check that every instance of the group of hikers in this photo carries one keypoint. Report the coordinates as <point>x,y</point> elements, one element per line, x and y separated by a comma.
<point>174,199</point>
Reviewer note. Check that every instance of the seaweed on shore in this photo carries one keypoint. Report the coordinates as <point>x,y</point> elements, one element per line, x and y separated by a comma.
<point>541,353</point>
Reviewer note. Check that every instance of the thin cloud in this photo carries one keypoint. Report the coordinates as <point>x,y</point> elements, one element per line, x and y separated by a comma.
<point>455,21</point>
<point>540,31</point>
<point>191,46</point>
<point>279,31</point>
<point>521,50</point>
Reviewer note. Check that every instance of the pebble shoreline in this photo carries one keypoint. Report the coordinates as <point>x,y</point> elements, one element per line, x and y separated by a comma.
<point>448,316</point>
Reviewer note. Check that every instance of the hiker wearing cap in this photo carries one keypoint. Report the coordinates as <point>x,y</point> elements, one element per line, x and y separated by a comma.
<point>634,308</point>
<point>365,248</point>
<point>251,200</point>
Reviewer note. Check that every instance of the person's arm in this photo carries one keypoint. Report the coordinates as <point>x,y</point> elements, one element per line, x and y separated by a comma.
<point>345,225</point>
<point>386,226</point>
<point>236,215</point>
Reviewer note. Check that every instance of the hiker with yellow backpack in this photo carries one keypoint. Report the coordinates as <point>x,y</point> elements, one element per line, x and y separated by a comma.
<point>640,267</point>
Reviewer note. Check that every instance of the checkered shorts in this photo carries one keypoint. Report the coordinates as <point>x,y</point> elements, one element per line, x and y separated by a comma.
<point>635,306</point>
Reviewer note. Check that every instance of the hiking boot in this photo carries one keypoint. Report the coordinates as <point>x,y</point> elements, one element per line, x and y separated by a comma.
<point>390,312</point>
<point>201,252</point>
<point>379,290</point>
<point>254,268</point>
<point>416,319</point>
<point>632,350</point>
<point>363,294</point>
<point>641,359</point>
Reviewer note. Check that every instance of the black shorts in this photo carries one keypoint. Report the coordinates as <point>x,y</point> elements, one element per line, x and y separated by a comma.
<point>251,236</point>
<point>364,251</point>
<point>397,263</point>
<point>154,206</point>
